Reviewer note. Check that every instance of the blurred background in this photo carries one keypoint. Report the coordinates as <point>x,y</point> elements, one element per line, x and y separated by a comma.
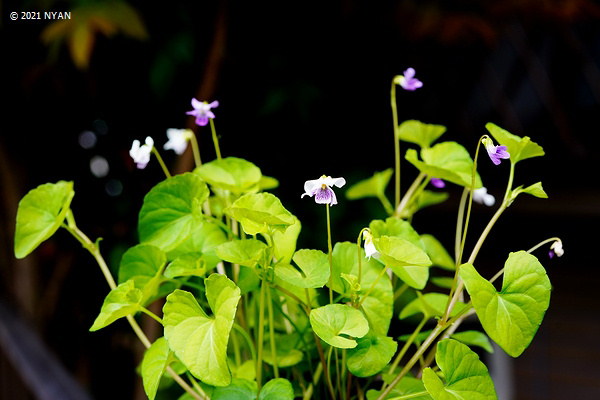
<point>304,90</point>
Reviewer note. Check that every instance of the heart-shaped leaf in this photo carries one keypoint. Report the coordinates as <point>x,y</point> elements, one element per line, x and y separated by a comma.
<point>466,376</point>
<point>333,320</point>
<point>200,341</point>
<point>172,211</point>
<point>234,174</point>
<point>39,215</point>
<point>437,253</point>
<point>371,355</point>
<point>519,148</point>
<point>409,262</point>
<point>244,389</point>
<point>190,264</point>
<point>260,213</point>
<point>246,252</point>
<point>156,359</point>
<point>143,264</point>
<point>284,243</point>
<point>512,316</point>
<point>395,227</point>
<point>371,187</point>
<point>420,133</point>
<point>448,161</point>
<point>203,240</point>
<point>123,300</point>
<point>378,306</point>
<point>314,269</point>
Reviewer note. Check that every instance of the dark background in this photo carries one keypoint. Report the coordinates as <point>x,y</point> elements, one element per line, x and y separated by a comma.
<point>303,91</point>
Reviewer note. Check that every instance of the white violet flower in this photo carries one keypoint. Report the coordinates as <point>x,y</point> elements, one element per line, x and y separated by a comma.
<point>178,139</point>
<point>481,196</point>
<point>557,249</point>
<point>321,189</point>
<point>141,154</point>
<point>370,249</point>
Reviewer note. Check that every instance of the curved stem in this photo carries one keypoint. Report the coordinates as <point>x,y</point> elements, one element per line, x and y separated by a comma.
<point>459,223</point>
<point>152,315</point>
<point>215,139</point>
<point>372,286</point>
<point>195,150</point>
<point>409,193</point>
<point>396,143</point>
<point>161,162</point>
<point>248,340</point>
<point>330,255</point>
<point>410,340</point>
<point>272,333</point>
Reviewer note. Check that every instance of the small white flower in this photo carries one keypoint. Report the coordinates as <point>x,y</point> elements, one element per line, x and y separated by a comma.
<point>557,249</point>
<point>177,140</point>
<point>481,196</point>
<point>141,154</point>
<point>321,189</point>
<point>370,249</point>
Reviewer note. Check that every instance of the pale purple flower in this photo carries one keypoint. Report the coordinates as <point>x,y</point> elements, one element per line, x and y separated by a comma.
<point>141,154</point>
<point>370,249</point>
<point>202,111</point>
<point>408,80</point>
<point>177,140</point>
<point>321,189</point>
<point>556,249</point>
<point>438,183</point>
<point>481,196</point>
<point>496,153</point>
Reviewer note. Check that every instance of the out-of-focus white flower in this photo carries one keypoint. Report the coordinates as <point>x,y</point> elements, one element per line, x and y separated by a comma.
<point>557,249</point>
<point>481,196</point>
<point>178,139</point>
<point>141,154</point>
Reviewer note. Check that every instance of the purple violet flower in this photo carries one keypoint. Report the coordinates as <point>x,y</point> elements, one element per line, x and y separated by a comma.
<point>321,189</point>
<point>202,111</point>
<point>496,153</point>
<point>408,80</point>
<point>438,183</point>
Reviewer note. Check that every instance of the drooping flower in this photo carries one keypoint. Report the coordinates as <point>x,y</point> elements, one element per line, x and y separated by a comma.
<point>370,249</point>
<point>496,153</point>
<point>177,140</point>
<point>321,189</point>
<point>141,154</point>
<point>202,111</point>
<point>438,183</point>
<point>481,196</point>
<point>408,80</point>
<point>556,249</point>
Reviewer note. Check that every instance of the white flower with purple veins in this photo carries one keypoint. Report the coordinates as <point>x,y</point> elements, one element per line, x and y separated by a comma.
<point>556,249</point>
<point>321,189</point>
<point>496,153</point>
<point>177,140</point>
<point>141,154</point>
<point>481,196</point>
<point>202,111</point>
<point>370,249</point>
<point>408,80</point>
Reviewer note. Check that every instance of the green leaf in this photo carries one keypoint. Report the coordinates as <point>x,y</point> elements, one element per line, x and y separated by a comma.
<point>39,215</point>
<point>437,253</point>
<point>143,264</point>
<point>395,227</point>
<point>466,376</point>
<point>172,211</point>
<point>519,148</point>
<point>267,183</point>
<point>239,389</point>
<point>246,252</point>
<point>285,358</point>
<point>313,273</point>
<point>156,359</point>
<point>474,338</point>
<point>333,320</point>
<point>203,240</point>
<point>445,282</point>
<point>190,264</point>
<point>408,385</point>
<point>371,187</point>
<point>260,213</point>
<point>409,262</point>
<point>378,306</point>
<point>448,161</point>
<point>512,316</point>
<point>199,341</point>
<point>430,305</point>
<point>425,199</point>
<point>284,243</point>
<point>371,355</point>
<point>534,190</point>
<point>234,174</point>
<point>123,300</point>
<point>277,389</point>
<point>420,133</point>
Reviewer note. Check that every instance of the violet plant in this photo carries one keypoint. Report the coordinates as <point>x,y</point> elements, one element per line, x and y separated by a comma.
<point>248,316</point>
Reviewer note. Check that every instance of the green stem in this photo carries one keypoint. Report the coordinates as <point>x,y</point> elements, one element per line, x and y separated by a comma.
<point>410,340</point>
<point>400,290</point>
<point>396,143</point>
<point>409,193</point>
<point>261,331</point>
<point>272,333</point>
<point>248,340</point>
<point>195,150</point>
<point>459,223</point>
<point>330,255</point>
<point>389,209</point>
<point>215,139</point>
<point>372,286</point>
<point>151,314</point>
<point>161,162</point>
<point>410,396</point>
